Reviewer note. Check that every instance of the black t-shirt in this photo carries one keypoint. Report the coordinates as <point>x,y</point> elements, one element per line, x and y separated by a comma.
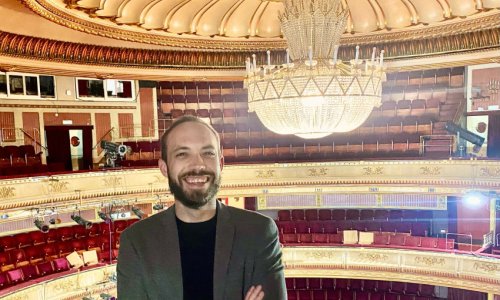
<point>197,246</point>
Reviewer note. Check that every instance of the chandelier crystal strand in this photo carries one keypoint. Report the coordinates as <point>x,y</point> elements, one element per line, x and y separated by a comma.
<point>316,93</point>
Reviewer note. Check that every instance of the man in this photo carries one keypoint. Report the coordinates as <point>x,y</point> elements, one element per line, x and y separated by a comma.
<point>199,248</point>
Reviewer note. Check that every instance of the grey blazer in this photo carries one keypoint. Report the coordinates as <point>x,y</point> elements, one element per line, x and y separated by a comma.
<point>247,252</point>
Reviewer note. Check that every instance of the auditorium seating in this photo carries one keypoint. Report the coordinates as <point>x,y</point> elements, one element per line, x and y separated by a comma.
<point>358,289</point>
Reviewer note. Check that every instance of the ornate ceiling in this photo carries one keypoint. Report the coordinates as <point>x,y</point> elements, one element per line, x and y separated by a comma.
<point>169,39</point>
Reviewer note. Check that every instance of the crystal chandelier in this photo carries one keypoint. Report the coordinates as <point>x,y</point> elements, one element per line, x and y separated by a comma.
<point>314,94</point>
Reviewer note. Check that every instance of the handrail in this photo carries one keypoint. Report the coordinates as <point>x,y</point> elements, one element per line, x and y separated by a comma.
<point>424,138</point>
<point>34,139</point>
<point>102,137</point>
<point>458,235</point>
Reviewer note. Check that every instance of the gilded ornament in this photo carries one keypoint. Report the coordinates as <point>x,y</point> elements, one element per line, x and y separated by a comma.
<point>429,261</point>
<point>489,172</point>
<point>317,172</point>
<point>430,170</point>
<point>58,186</point>
<point>266,174</point>
<point>373,170</point>
<point>7,192</point>
<point>320,255</point>
<point>487,267</point>
<point>112,181</point>
<point>373,257</point>
<point>65,285</point>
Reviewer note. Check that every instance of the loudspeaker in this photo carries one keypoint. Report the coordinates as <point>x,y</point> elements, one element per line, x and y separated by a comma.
<point>464,133</point>
<point>147,84</point>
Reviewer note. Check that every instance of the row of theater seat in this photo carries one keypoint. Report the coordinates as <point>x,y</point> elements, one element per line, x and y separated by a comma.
<point>32,255</point>
<point>350,295</point>
<point>61,234</point>
<point>32,272</point>
<point>353,214</point>
<point>414,228</point>
<point>378,239</point>
<point>360,285</point>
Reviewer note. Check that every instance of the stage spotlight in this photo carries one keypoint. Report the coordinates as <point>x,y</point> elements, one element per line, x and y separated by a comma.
<point>105,296</point>
<point>41,225</point>
<point>138,212</point>
<point>5,216</point>
<point>158,206</point>
<point>81,221</point>
<point>104,216</point>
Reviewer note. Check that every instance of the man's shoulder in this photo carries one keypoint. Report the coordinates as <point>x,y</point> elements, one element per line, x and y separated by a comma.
<point>147,225</point>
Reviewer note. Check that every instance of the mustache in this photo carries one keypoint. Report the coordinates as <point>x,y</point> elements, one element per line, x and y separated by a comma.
<point>197,173</point>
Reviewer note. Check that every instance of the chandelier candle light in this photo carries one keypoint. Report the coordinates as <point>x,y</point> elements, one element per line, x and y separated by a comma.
<point>314,94</point>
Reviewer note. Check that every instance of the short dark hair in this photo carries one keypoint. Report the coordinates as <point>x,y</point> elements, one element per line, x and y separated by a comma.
<point>182,120</point>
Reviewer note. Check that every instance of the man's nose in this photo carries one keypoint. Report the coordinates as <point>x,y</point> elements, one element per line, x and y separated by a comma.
<point>197,163</point>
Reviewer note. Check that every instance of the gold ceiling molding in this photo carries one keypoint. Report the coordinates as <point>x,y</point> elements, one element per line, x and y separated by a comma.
<point>40,49</point>
<point>87,106</point>
<point>252,25</point>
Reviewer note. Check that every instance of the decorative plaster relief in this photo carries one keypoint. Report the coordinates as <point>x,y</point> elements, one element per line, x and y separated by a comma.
<point>265,173</point>
<point>430,170</point>
<point>7,192</point>
<point>373,171</point>
<point>429,261</point>
<point>317,172</point>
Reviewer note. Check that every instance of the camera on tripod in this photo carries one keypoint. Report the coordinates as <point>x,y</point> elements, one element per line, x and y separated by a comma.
<point>114,153</point>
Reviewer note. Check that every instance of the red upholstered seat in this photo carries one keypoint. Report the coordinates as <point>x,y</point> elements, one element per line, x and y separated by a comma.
<point>397,240</point>
<point>8,242</point>
<point>284,215</point>
<point>330,227</point>
<point>370,285</point>
<point>45,268</point>
<point>383,286</point>
<point>443,243</point>
<point>338,214</point>
<point>325,214</point>
<point>373,226</point>
<point>398,287</point>
<point>61,264</point>
<point>389,226</point>
<point>292,295</point>
<point>298,214</point>
<point>381,239</point>
<point>15,276</point>
<point>342,283</point>
<point>23,239</point>
<point>30,272</point>
<point>321,238</point>
<point>301,284</point>
<point>366,214</point>
<point>314,283</point>
<point>290,238</point>
<point>316,226</point>
<point>412,288</point>
<point>301,226</point>
<point>64,248</point>
<point>319,294</point>
<point>286,226</point>
<point>80,232</point>
<point>18,257</point>
<point>34,254</point>
<point>311,214</point>
<point>335,238</point>
<point>289,282</point>
<point>305,295</point>
<point>104,228</point>
<point>412,241</point>
<point>427,290</point>
<point>305,238</point>
<point>356,284</point>
<point>65,233</point>
<point>389,296</point>
<point>5,261</point>
<point>333,295</point>
<point>428,242</point>
<point>4,282</point>
<point>38,237</point>
<point>52,236</point>
<point>346,295</point>
<point>119,225</point>
<point>361,295</point>
<point>78,245</point>
<point>132,221</point>
<point>381,214</point>
<point>352,214</point>
<point>376,296</point>
<point>50,251</point>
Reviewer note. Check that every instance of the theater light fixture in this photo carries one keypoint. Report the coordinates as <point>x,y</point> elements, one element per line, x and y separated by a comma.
<point>314,94</point>
<point>81,221</point>
<point>158,206</point>
<point>138,212</point>
<point>41,225</point>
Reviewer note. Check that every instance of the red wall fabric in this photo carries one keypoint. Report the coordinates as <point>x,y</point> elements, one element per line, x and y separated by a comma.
<point>473,220</point>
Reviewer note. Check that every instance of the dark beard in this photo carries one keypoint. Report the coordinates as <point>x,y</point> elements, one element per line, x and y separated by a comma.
<point>194,199</point>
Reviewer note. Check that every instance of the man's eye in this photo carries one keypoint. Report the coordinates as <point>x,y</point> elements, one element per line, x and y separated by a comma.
<point>210,153</point>
<point>180,154</point>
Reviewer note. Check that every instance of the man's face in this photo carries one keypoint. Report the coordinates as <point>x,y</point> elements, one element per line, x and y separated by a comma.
<point>193,164</point>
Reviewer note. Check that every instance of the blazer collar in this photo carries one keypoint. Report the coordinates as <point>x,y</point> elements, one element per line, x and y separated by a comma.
<point>223,246</point>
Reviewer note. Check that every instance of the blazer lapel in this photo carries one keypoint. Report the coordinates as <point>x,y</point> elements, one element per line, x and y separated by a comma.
<point>223,246</point>
<point>169,261</point>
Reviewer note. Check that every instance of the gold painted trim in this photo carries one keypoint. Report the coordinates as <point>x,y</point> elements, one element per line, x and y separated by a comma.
<point>46,9</point>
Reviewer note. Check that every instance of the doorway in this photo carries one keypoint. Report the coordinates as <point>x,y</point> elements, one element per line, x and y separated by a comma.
<point>69,148</point>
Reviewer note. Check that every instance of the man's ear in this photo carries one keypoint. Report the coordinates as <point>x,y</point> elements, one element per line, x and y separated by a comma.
<point>163,167</point>
<point>221,162</point>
